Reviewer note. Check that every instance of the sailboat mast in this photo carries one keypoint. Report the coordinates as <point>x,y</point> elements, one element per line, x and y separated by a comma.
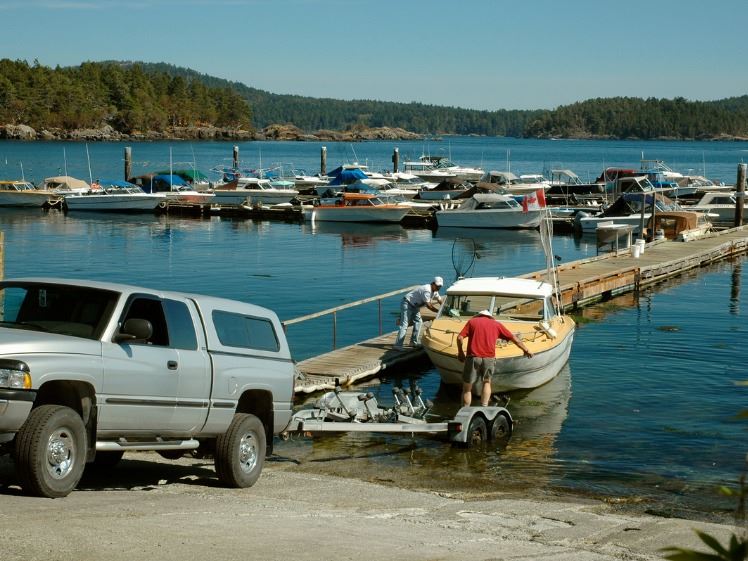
<point>88,159</point>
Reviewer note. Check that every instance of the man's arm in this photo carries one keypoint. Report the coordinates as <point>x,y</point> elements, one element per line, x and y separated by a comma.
<point>460,352</point>
<point>521,345</point>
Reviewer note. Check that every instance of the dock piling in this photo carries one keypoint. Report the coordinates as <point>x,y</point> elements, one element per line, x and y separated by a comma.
<point>235,157</point>
<point>740,194</point>
<point>323,161</point>
<point>128,162</point>
<point>395,160</point>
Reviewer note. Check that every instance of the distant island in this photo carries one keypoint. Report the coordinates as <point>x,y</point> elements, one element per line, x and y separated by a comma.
<point>117,100</point>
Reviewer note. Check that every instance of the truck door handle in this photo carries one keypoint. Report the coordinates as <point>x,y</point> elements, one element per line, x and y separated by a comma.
<point>172,365</point>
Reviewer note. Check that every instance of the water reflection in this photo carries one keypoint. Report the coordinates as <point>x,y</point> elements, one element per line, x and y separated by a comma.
<point>735,280</point>
<point>357,235</point>
<point>429,462</point>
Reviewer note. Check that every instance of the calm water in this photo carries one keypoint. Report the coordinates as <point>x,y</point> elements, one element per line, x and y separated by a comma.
<point>644,411</point>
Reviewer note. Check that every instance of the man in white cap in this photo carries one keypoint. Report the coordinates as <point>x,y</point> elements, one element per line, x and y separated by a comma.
<point>482,331</point>
<point>410,310</point>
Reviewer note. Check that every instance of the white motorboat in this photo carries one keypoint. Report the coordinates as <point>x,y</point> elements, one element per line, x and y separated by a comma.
<point>442,163</point>
<point>355,207</point>
<point>445,190</point>
<point>176,189</point>
<point>525,307</point>
<point>115,196</point>
<point>719,205</point>
<point>510,183</point>
<point>255,191</point>
<point>427,171</point>
<point>488,210</point>
<point>23,194</point>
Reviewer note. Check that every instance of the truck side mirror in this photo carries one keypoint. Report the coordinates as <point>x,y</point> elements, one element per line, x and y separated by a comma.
<point>134,329</point>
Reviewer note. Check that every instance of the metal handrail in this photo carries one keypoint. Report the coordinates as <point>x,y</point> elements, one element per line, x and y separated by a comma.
<point>334,311</point>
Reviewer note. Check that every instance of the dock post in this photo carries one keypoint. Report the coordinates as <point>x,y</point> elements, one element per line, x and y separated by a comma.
<point>128,163</point>
<point>235,157</point>
<point>395,160</point>
<point>641,221</point>
<point>2,255</point>
<point>740,194</point>
<point>323,161</point>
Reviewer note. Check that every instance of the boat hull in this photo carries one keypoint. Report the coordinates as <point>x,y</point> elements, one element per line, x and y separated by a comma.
<point>23,199</point>
<point>513,370</point>
<point>114,203</point>
<point>488,218</point>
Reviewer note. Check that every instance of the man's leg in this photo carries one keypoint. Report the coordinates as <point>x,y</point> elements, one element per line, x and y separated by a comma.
<point>404,320</point>
<point>415,339</point>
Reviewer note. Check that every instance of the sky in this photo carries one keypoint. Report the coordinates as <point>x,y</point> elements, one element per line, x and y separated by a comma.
<point>477,54</point>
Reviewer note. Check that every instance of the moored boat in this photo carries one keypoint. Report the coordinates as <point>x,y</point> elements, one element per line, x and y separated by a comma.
<point>356,207</point>
<point>489,210</point>
<point>526,308</point>
<point>114,196</point>
<point>23,194</point>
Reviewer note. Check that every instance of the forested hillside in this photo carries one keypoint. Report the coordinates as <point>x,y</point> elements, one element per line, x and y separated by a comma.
<point>627,117</point>
<point>132,97</point>
<point>124,97</point>
<point>312,114</point>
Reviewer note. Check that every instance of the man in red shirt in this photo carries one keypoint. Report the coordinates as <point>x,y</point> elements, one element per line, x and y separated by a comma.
<point>482,332</point>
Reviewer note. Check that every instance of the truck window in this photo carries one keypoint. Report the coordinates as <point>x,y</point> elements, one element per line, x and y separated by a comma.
<point>239,330</point>
<point>181,327</point>
<point>150,309</point>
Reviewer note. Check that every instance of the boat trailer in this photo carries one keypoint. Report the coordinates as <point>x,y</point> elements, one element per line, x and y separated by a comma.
<point>350,411</point>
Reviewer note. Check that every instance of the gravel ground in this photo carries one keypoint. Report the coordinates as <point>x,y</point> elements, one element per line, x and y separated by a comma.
<point>150,508</point>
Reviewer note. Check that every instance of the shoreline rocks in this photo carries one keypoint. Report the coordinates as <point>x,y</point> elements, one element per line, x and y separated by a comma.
<point>107,133</point>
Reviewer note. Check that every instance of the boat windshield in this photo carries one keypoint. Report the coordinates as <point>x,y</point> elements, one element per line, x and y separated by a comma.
<point>503,307</point>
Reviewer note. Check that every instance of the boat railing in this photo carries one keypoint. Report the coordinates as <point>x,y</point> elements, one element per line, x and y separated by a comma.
<point>334,311</point>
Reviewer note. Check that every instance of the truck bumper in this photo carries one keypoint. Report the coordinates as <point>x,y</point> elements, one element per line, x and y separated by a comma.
<point>15,406</point>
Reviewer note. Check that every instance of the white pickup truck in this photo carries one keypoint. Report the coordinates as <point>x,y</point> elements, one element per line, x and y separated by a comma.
<point>89,370</point>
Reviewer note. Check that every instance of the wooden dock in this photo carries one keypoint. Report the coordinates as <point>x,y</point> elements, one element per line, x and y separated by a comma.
<point>581,282</point>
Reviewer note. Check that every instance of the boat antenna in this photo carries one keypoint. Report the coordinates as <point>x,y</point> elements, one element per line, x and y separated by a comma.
<point>88,159</point>
<point>171,173</point>
<point>65,160</point>
<point>23,177</point>
<point>546,238</point>
<point>508,160</point>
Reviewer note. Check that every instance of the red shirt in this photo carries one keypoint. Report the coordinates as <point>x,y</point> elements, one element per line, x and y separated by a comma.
<point>482,333</point>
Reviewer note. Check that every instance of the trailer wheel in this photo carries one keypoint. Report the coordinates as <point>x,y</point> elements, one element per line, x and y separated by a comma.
<point>500,431</point>
<point>477,432</point>
<point>50,451</point>
<point>240,451</point>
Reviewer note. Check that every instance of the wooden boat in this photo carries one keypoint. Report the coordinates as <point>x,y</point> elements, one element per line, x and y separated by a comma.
<point>679,225</point>
<point>489,210</point>
<point>526,308</point>
<point>356,207</point>
<point>23,194</point>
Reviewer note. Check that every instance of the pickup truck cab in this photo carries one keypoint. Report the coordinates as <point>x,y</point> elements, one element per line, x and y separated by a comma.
<point>89,370</point>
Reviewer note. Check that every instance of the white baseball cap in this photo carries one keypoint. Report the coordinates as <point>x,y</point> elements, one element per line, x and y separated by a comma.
<point>438,281</point>
<point>485,313</point>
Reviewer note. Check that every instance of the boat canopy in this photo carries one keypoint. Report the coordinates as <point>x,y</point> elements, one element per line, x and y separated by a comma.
<point>65,181</point>
<point>191,175</point>
<point>512,286</point>
<point>115,183</point>
<point>341,175</point>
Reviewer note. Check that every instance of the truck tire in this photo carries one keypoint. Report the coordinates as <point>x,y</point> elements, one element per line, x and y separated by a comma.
<point>240,451</point>
<point>171,454</point>
<point>50,451</point>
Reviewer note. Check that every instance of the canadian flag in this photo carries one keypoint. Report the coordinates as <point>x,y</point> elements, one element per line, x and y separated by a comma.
<point>533,201</point>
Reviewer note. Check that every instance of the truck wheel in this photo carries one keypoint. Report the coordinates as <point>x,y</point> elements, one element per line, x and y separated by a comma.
<point>50,451</point>
<point>500,431</point>
<point>240,451</point>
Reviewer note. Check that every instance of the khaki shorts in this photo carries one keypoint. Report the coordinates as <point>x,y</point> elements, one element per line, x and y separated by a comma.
<point>476,366</point>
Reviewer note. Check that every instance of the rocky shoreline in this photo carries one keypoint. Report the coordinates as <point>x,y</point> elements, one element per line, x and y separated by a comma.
<point>107,133</point>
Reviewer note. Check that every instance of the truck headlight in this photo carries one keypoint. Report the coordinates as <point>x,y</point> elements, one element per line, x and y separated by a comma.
<point>15,374</point>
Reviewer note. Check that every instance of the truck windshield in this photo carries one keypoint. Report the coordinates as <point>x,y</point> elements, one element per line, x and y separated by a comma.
<point>63,309</point>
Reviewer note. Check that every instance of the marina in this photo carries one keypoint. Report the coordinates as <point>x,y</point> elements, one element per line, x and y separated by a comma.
<point>626,392</point>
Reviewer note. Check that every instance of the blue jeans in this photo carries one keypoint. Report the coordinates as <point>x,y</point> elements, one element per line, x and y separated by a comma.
<point>409,314</point>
